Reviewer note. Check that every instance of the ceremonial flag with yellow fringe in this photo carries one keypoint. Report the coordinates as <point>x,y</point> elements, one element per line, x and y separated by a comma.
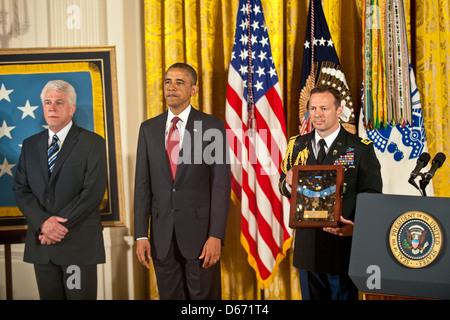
<point>257,135</point>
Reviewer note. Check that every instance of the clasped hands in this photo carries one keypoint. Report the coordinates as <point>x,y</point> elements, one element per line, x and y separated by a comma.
<point>52,230</point>
<point>345,230</point>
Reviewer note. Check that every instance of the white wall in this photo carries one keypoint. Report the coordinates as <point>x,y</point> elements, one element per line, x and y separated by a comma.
<point>61,23</point>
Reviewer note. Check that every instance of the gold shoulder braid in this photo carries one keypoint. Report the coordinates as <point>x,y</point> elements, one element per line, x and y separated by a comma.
<point>288,157</point>
<point>302,157</point>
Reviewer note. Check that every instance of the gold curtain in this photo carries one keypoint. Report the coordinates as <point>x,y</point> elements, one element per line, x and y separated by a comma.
<point>433,81</point>
<point>201,33</point>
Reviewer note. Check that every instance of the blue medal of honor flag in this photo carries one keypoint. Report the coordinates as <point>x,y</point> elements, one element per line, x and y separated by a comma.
<point>21,116</point>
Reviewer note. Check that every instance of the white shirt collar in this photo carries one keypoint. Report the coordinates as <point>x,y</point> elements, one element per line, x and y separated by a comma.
<point>62,134</point>
<point>183,116</point>
<point>328,140</point>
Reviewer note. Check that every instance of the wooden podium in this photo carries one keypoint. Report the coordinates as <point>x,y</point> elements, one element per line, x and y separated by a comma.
<point>400,247</point>
<point>372,296</point>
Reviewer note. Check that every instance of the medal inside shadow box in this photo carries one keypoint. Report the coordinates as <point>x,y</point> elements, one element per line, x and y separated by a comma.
<point>316,197</point>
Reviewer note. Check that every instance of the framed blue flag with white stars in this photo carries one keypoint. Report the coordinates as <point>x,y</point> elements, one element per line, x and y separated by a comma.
<point>23,74</point>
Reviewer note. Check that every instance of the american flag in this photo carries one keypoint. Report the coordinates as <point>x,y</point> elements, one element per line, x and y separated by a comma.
<point>257,136</point>
<point>321,66</point>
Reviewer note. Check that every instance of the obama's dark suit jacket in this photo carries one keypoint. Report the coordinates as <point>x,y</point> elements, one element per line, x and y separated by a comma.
<point>73,191</point>
<point>194,206</point>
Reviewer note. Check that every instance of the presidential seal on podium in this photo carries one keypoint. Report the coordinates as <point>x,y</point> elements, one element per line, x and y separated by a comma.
<point>415,239</point>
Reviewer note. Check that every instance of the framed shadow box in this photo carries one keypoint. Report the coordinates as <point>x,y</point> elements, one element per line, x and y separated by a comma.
<point>316,198</point>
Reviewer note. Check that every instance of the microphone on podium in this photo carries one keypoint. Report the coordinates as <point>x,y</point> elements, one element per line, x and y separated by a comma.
<point>437,162</point>
<point>422,162</point>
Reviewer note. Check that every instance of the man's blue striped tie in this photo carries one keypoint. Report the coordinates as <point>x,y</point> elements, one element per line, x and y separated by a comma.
<point>52,153</point>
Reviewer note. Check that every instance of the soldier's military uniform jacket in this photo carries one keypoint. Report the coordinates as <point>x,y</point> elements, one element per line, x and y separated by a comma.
<point>314,249</point>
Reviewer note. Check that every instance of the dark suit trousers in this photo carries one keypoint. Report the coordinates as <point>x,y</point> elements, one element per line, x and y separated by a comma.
<point>66,282</point>
<point>179,278</point>
<point>326,286</point>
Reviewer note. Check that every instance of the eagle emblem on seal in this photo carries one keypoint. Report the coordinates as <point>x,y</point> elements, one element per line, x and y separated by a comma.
<point>415,239</point>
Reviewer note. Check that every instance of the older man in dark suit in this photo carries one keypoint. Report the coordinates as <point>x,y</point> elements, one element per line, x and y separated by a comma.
<point>59,184</point>
<point>323,255</point>
<point>183,185</point>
